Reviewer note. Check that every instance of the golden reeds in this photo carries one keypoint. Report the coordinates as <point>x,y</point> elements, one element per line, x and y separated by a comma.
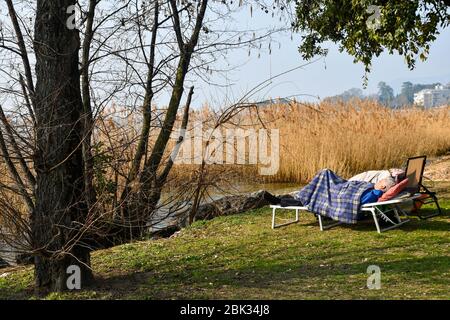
<point>353,137</point>
<point>346,137</point>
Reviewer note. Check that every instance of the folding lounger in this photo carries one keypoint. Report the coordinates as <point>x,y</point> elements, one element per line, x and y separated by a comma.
<point>378,210</point>
<point>388,211</point>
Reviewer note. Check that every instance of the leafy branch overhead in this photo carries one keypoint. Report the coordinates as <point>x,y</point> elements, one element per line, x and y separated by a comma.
<point>364,28</point>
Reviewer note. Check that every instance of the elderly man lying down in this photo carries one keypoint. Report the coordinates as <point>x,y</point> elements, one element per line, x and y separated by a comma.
<point>377,175</point>
<point>332,196</point>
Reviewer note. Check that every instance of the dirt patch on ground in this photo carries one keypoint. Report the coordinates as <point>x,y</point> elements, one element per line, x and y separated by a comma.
<point>438,169</point>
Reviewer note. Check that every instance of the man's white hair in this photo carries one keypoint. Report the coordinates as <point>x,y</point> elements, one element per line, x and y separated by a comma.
<point>390,182</point>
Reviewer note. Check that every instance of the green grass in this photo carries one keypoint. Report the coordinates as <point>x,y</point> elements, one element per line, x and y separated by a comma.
<point>241,257</point>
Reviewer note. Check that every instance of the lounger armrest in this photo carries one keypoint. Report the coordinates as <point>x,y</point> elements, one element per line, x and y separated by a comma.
<point>392,201</point>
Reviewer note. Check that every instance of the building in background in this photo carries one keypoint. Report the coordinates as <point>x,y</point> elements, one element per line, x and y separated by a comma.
<point>429,98</point>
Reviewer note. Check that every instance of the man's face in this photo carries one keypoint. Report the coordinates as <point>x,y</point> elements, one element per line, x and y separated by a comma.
<point>381,185</point>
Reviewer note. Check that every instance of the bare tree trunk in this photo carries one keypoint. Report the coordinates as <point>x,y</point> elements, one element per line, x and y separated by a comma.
<point>58,159</point>
<point>88,119</point>
<point>147,112</point>
<point>137,211</point>
<point>187,49</point>
<point>142,146</point>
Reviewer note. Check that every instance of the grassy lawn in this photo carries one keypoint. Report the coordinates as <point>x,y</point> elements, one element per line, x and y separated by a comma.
<point>241,257</point>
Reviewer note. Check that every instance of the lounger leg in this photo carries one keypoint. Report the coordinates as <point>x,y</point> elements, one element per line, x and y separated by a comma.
<point>434,199</point>
<point>273,218</point>
<point>320,222</point>
<point>287,223</point>
<point>396,209</point>
<point>328,226</point>
<point>439,211</point>
<point>434,214</point>
<point>394,224</point>
<point>375,219</point>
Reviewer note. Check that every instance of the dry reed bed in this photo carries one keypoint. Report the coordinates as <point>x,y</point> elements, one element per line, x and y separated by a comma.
<point>347,137</point>
<point>353,137</point>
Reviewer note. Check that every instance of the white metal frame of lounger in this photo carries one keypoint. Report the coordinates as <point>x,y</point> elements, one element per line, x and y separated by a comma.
<point>297,210</point>
<point>373,208</point>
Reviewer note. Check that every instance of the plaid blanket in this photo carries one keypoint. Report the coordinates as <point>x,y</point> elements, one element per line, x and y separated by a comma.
<point>331,196</point>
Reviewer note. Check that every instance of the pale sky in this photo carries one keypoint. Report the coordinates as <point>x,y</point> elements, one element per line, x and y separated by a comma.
<point>330,76</point>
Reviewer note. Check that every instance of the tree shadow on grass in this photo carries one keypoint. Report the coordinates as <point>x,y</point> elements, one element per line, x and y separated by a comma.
<point>196,281</point>
<point>260,277</point>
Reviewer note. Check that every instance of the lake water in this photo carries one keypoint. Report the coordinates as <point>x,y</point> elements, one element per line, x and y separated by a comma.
<point>167,216</point>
